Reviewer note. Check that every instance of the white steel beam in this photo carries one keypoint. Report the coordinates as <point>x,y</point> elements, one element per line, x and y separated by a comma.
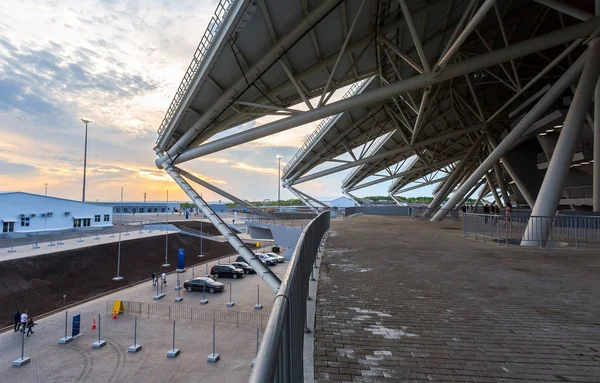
<point>535,44</point>
<point>556,175</point>
<point>402,55</point>
<point>542,105</point>
<point>265,273</point>
<point>418,186</point>
<point>415,35</point>
<point>566,8</point>
<point>296,85</point>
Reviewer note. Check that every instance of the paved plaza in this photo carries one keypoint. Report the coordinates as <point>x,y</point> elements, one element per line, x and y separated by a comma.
<point>402,300</point>
<point>78,362</point>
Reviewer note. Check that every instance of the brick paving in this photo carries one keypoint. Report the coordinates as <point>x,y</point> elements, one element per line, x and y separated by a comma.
<point>401,300</point>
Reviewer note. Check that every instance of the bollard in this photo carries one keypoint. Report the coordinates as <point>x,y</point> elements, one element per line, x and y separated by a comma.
<point>36,246</point>
<point>135,347</point>
<point>177,288</point>
<point>22,360</point>
<point>213,357</point>
<point>193,271</point>
<point>66,338</point>
<point>312,275</point>
<point>58,241</point>
<point>254,360</point>
<point>51,244</point>
<point>12,247</point>
<point>204,300</point>
<point>80,236</point>
<point>173,352</point>
<point>230,303</point>
<point>206,270</point>
<point>257,306</point>
<point>159,295</point>
<point>100,343</point>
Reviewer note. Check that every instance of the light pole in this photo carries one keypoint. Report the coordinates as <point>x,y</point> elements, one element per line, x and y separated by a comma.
<point>279,185</point>
<point>86,122</point>
<point>119,277</point>
<point>45,189</point>
<point>166,264</point>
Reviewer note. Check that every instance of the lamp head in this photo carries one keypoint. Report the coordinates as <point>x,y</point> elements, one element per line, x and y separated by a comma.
<point>86,120</point>
<point>279,156</point>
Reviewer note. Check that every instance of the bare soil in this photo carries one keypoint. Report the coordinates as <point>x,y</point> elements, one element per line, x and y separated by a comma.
<point>37,284</point>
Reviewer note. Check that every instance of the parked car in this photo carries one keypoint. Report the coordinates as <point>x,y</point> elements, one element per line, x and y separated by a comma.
<point>244,266</point>
<point>241,259</point>
<point>226,271</point>
<point>198,284</point>
<point>278,257</point>
<point>269,261</point>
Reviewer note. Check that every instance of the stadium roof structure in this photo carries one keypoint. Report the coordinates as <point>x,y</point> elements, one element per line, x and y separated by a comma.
<point>441,90</point>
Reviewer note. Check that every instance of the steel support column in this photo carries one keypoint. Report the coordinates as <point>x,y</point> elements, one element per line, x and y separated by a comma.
<point>538,229</point>
<point>455,176</point>
<point>501,185</point>
<point>469,194</point>
<point>596,174</point>
<point>532,116</point>
<point>492,188</point>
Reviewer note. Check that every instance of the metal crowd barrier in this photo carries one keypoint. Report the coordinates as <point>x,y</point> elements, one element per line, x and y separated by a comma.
<point>280,357</point>
<point>156,310</point>
<point>417,213</point>
<point>574,230</point>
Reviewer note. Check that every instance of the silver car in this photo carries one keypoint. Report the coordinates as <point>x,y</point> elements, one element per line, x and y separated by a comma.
<point>278,257</point>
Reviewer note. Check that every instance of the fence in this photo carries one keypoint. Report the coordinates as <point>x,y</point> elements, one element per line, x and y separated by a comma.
<point>156,310</point>
<point>294,219</point>
<point>417,212</point>
<point>577,230</point>
<point>281,353</point>
<point>378,210</point>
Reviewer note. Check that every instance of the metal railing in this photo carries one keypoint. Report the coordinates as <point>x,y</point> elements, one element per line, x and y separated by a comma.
<point>211,31</point>
<point>417,213</point>
<point>280,357</point>
<point>587,148</point>
<point>564,230</point>
<point>316,133</point>
<point>293,219</point>
<point>578,192</point>
<point>156,310</point>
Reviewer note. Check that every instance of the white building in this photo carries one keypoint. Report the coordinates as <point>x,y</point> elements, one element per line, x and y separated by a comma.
<point>340,203</point>
<point>25,213</point>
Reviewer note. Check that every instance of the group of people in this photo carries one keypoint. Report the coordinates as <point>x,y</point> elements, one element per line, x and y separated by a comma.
<point>162,278</point>
<point>495,210</point>
<point>23,321</point>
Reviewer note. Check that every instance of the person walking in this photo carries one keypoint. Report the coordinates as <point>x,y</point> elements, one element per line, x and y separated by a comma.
<point>24,318</point>
<point>486,211</point>
<point>153,279</point>
<point>164,279</point>
<point>17,318</point>
<point>507,212</point>
<point>30,325</point>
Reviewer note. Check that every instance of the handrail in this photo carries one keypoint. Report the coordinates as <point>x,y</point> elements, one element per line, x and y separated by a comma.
<point>313,136</point>
<point>281,350</point>
<point>211,31</point>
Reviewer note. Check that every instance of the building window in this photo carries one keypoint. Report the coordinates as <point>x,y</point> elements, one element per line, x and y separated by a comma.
<point>106,217</point>
<point>163,209</point>
<point>141,210</point>
<point>8,227</point>
<point>81,222</point>
<point>25,221</point>
<point>155,210</point>
<point>118,210</point>
<point>97,218</point>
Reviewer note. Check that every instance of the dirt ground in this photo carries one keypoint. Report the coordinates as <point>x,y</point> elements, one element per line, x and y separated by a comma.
<point>38,283</point>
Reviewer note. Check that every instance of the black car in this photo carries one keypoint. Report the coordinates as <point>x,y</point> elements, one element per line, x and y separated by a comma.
<point>198,284</point>
<point>244,266</point>
<point>226,271</point>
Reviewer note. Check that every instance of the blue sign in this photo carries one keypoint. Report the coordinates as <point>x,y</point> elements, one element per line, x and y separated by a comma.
<point>187,214</point>
<point>76,325</point>
<point>181,259</point>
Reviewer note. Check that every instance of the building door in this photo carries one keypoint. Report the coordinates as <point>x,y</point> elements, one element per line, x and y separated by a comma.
<point>8,227</point>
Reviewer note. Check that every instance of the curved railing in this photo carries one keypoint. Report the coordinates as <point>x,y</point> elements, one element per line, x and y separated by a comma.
<point>211,31</point>
<point>316,133</point>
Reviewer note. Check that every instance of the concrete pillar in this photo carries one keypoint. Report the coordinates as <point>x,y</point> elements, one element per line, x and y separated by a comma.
<point>533,115</point>
<point>596,173</point>
<point>546,204</point>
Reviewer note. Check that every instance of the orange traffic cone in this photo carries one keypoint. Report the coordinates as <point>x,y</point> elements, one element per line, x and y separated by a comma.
<point>93,324</point>
<point>114,314</point>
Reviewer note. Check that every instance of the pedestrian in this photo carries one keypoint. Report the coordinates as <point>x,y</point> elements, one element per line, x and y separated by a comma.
<point>164,279</point>
<point>30,325</point>
<point>507,212</point>
<point>24,318</point>
<point>153,279</point>
<point>486,211</point>
<point>17,318</point>
<point>463,208</point>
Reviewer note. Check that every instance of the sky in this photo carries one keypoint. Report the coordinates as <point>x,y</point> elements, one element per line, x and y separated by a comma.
<point>118,63</point>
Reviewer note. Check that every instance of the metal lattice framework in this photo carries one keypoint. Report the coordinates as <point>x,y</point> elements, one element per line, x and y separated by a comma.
<point>454,93</point>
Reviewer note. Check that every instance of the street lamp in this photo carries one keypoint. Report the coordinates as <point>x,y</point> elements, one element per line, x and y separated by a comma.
<point>45,189</point>
<point>86,122</point>
<point>279,185</point>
